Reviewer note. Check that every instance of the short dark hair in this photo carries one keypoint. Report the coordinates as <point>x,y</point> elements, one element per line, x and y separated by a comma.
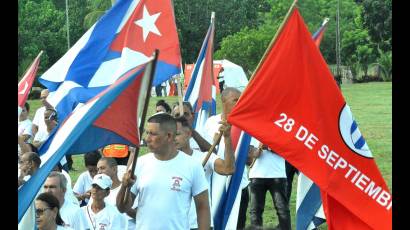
<point>27,106</point>
<point>165,105</point>
<point>165,121</point>
<point>52,203</point>
<point>32,156</point>
<point>183,121</point>
<point>92,158</point>
<point>110,161</point>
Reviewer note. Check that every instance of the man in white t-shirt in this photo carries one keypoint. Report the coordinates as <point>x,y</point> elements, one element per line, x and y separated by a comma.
<point>109,167</point>
<point>82,186</point>
<point>38,120</point>
<point>229,97</point>
<point>165,182</point>
<point>72,215</point>
<point>24,124</point>
<point>50,120</point>
<point>101,214</point>
<point>196,142</point>
<point>214,163</point>
<point>268,173</point>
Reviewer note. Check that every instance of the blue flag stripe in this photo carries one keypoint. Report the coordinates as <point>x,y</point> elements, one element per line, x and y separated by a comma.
<point>308,208</point>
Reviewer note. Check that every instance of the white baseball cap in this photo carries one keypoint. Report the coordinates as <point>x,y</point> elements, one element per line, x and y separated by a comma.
<point>102,180</point>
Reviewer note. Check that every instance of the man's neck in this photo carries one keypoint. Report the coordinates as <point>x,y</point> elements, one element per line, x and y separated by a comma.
<point>97,206</point>
<point>187,149</point>
<point>115,182</point>
<point>167,154</point>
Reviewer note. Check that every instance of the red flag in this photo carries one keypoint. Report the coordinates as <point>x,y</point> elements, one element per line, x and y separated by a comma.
<point>26,82</point>
<point>293,105</point>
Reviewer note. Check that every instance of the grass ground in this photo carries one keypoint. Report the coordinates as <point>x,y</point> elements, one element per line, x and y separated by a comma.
<point>371,105</point>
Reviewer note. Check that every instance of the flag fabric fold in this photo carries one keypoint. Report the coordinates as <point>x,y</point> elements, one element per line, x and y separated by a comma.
<point>26,82</point>
<point>309,124</point>
<point>309,208</point>
<point>109,117</point>
<point>201,91</point>
<point>123,38</point>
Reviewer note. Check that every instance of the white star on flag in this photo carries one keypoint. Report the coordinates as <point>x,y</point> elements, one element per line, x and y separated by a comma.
<point>147,23</point>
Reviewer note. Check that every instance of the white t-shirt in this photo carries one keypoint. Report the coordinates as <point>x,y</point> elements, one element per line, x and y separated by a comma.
<point>59,227</point>
<point>41,136</point>
<point>24,127</point>
<point>83,183</point>
<point>211,127</point>
<point>69,194</point>
<point>111,199</point>
<point>39,119</point>
<point>267,165</point>
<point>106,219</point>
<point>73,216</point>
<point>165,190</point>
<point>208,168</point>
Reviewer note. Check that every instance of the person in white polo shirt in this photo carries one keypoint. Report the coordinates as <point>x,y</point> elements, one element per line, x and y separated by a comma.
<point>101,215</point>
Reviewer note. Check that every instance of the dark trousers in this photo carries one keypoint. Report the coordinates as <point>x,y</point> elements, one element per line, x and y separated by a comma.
<point>277,189</point>
<point>158,90</point>
<point>242,208</point>
<point>290,173</point>
<point>221,86</point>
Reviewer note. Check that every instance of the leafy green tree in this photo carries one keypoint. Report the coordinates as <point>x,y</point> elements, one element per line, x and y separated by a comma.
<point>40,28</point>
<point>377,18</point>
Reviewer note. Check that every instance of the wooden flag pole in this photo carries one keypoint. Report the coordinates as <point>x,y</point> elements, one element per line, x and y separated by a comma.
<point>144,114</point>
<point>254,159</point>
<point>216,142</point>
<point>179,89</point>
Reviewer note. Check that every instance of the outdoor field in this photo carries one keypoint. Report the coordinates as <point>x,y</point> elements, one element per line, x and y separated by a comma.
<point>371,105</point>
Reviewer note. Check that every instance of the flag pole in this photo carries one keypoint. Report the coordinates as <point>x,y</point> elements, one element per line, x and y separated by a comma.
<point>254,159</point>
<point>143,115</point>
<point>216,142</point>
<point>292,7</point>
<point>179,90</point>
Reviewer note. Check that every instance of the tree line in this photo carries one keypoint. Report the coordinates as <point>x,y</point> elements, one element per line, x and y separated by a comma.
<point>243,29</point>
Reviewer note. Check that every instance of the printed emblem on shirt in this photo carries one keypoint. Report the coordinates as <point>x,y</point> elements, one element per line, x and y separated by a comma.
<point>176,185</point>
<point>102,226</point>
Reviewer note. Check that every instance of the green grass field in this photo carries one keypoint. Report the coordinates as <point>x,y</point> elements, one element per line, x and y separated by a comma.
<point>371,105</point>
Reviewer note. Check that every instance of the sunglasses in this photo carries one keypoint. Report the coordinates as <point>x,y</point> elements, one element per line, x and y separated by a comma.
<point>40,212</point>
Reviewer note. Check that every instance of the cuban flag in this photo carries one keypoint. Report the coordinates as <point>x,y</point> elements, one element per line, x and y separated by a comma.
<point>309,208</point>
<point>225,190</point>
<point>318,35</point>
<point>109,117</point>
<point>201,91</point>
<point>26,82</point>
<point>123,38</point>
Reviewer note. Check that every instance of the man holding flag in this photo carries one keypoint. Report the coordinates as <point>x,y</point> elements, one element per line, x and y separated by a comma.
<point>165,181</point>
<point>309,123</point>
<point>237,218</point>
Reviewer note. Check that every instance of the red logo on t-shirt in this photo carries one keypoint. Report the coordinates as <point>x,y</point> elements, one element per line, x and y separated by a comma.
<point>177,183</point>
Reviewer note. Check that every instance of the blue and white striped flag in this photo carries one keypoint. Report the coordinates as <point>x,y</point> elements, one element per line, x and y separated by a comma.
<point>201,91</point>
<point>309,208</point>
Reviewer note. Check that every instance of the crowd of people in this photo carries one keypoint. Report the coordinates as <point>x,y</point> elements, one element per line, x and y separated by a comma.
<point>170,187</point>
